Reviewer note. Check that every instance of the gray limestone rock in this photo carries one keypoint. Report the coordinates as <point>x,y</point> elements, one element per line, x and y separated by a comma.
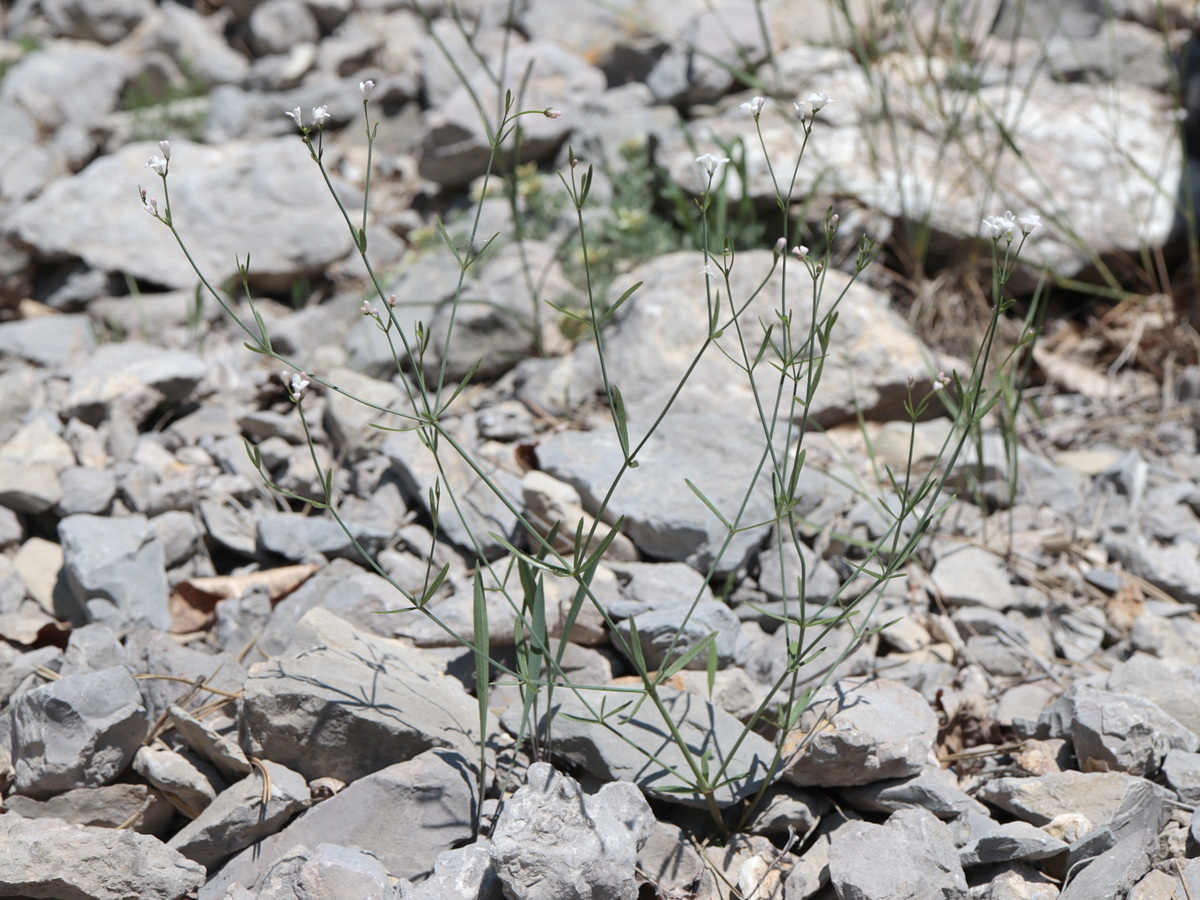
<point>115,570</point>
<point>344,712</point>
<point>49,858</point>
<point>189,783</point>
<point>1175,690</point>
<point>1011,841</point>
<point>78,731</point>
<point>669,521</point>
<point>112,806</point>
<point>663,628</point>
<point>1122,732</point>
<point>974,575</point>
<point>1040,799</point>
<point>466,873</point>
<point>102,21</point>
<point>1182,773</point>
<point>156,653</point>
<point>135,376</point>
<point>32,488</point>
<point>482,510</point>
<point>277,211</point>
<point>909,857</point>
<point>219,750</point>
<point>857,732</point>
<point>454,146</point>
<point>86,491</point>
<point>237,817</point>
<point>68,84</point>
<point>48,340</point>
<point>606,756</point>
<point>669,859</point>
<point>553,842</point>
<point>90,649</point>
<point>331,872</point>
<point>406,815</point>
<point>276,26</point>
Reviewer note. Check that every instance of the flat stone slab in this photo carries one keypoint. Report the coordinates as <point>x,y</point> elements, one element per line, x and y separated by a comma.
<point>611,758</point>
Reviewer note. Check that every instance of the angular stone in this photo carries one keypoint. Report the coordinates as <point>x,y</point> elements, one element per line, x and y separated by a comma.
<point>157,653</point>
<point>341,711</point>
<point>1122,732</point>
<point>466,873</point>
<point>406,815</point>
<point>78,731</point>
<point>237,817</point>
<point>115,570</point>
<point>662,629</point>
<point>139,378</point>
<point>670,522</point>
<point>90,649</point>
<point>1176,691</point>
<point>112,806</point>
<point>553,842</point>
<point>49,858</point>
<point>277,210</point>
<point>856,733</point>
<point>974,576</point>
<point>31,488</point>
<point>610,758</point>
<point>48,340</point>
<point>1038,800</point>
<point>219,750</point>
<point>190,784</point>
<point>921,859</point>
<point>1011,841</point>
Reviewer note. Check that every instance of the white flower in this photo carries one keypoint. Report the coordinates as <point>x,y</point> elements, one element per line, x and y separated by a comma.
<point>1029,222</point>
<point>800,252</point>
<point>294,115</point>
<point>320,115</point>
<point>818,101</point>
<point>707,272</point>
<point>158,164</point>
<point>150,204</point>
<point>296,384</point>
<point>780,246</point>
<point>367,309</point>
<point>996,227</point>
<point>802,109</point>
<point>755,106</point>
<point>366,87</point>
<point>551,113</point>
<point>165,147</point>
<point>709,163</point>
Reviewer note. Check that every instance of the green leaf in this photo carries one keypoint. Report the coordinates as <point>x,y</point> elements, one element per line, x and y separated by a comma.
<point>619,419</point>
<point>433,586</point>
<point>585,186</point>
<point>635,648</point>
<point>525,557</point>
<point>620,302</point>
<point>690,654</point>
<point>716,512</point>
<point>604,544</point>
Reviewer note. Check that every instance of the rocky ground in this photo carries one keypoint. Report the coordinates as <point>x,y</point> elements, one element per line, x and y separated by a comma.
<point>198,694</point>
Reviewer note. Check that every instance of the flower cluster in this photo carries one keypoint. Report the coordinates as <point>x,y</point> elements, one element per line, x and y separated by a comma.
<point>1005,226</point>
<point>320,116</point>
<point>296,384</point>
<point>813,105</point>
<point>709,163</point>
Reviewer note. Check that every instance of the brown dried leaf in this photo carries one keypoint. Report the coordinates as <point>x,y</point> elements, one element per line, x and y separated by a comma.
<point>193,603</point>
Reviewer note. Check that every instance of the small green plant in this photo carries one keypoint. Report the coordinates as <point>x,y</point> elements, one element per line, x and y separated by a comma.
<point>779,334</point>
